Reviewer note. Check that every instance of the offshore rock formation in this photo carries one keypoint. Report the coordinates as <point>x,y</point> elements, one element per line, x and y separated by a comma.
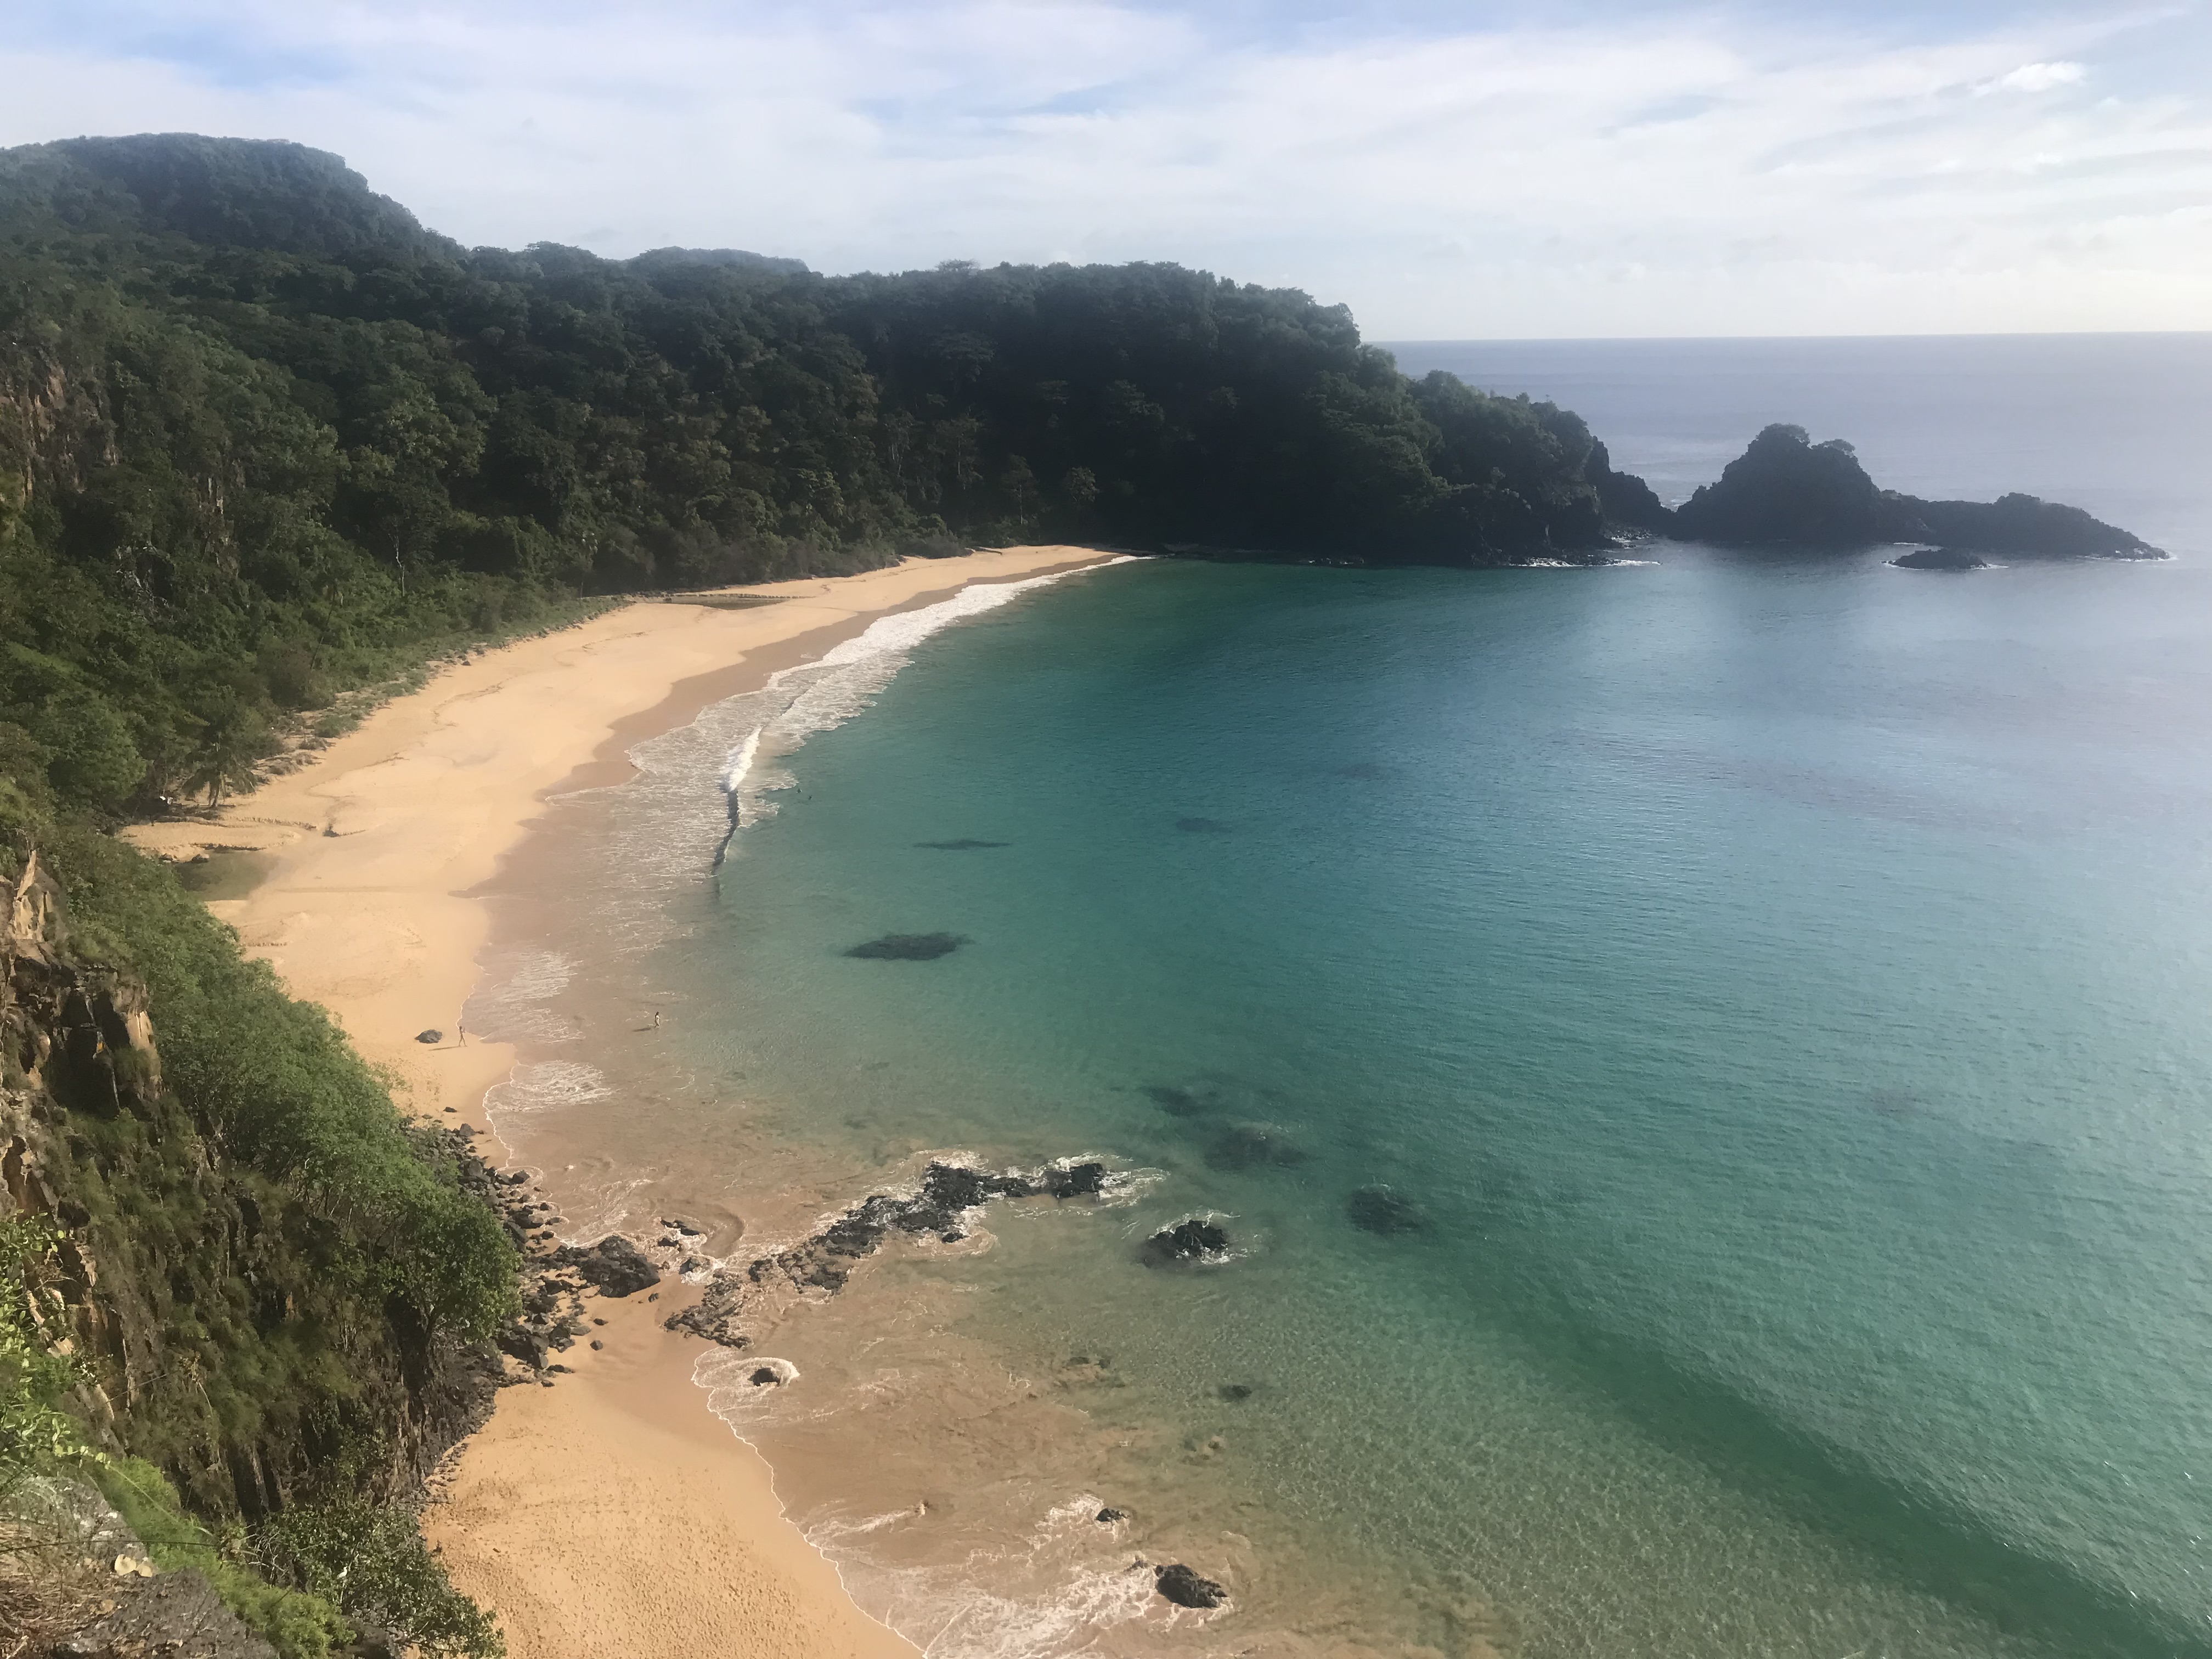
<point>1786,489</point>
<point>1940,558</point>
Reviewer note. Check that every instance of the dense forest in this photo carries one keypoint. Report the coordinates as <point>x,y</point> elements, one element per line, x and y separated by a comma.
<point>263,437</point>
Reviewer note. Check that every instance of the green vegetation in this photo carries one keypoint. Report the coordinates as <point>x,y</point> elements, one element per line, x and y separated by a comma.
<point>265,438</point>
<point>265,1273</point>
<point>298,1625</point>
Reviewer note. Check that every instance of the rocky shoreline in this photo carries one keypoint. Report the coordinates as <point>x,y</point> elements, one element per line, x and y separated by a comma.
<point>941,1207</point>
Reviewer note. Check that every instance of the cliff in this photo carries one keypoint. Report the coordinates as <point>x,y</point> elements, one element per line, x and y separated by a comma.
<point>205,1201</point>
<point>207,1340</point>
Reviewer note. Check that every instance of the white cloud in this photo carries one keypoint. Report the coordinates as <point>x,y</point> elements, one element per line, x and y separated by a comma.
<point>1675,174</point>
<point>2037,77</point>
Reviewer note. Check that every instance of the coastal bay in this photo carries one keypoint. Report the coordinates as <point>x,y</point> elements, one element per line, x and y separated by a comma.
<point>564,1514</point>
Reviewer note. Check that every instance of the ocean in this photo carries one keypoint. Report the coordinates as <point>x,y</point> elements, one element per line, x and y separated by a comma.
<point>1705,1065</point>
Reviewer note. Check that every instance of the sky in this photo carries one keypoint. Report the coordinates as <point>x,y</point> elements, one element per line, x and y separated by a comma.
<point>1595,168</point>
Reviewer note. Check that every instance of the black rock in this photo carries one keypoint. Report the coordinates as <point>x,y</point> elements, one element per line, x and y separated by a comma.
<point>1183,1587</point>
<point>1188,1241</point>
<point>516,1177</point>
<point>1252,1146</point>
<point>1108,1517</point>
<point>908,947</point>
<point>1379,1209</point>
<point>963,845</point>
<point>765,1377</point>
<point>1938,558</point>
<point>1201,826</point>
<point>525,1344</point>
<point>614,1265</point>
<point>429,1037</point>
<point>1076,1181</point>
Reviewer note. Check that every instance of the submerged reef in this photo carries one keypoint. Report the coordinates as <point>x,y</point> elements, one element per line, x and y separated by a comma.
<point>1382,1210</point>
<point>909,947</point>
<point>1253,1146</point>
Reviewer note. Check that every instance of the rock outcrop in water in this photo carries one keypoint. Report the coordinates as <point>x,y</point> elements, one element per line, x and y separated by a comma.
<point>1785,490</point>
<point>1186,1587</point>
<point>1193,1240</point>
<point>1940,558</point>
<point>823,1262</point>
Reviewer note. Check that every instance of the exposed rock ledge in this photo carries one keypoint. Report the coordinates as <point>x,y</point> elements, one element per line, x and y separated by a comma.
<point>948,1195</point>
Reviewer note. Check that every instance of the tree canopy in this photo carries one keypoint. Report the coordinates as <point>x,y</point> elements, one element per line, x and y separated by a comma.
<point>264,436</point>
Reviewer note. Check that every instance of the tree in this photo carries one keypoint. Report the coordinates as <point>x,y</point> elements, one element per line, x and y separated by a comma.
<point>222,761</point>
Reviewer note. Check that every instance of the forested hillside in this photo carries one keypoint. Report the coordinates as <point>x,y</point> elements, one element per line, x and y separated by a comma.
<point>263,437</point>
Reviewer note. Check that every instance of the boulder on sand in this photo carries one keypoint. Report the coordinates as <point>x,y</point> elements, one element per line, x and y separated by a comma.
<point>614,1265</point>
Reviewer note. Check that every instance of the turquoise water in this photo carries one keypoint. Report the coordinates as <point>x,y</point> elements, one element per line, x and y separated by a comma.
<point>1784,987</point>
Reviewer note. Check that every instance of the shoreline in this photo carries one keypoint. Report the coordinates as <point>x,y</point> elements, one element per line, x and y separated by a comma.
<point>614,1507</point>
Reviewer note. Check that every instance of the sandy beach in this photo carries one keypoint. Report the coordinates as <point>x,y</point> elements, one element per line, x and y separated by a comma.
<point>611,1514</point>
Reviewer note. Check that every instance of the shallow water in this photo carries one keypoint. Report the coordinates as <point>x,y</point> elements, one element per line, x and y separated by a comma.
<point>1774,992</point>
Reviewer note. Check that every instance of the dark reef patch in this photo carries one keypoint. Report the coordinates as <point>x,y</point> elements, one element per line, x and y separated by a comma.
<point>1253,1146</point>
<point>963,845</point>
<point>1236,1392</point>
<point>909,947</point>
<point>1384,1211</point>
<point>1176,1102</point>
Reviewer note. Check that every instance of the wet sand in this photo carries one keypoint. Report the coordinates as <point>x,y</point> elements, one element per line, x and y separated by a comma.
<point>611,1514</point>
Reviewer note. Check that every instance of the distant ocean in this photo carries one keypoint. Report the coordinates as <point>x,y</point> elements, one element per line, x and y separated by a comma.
<point>1776,993</point>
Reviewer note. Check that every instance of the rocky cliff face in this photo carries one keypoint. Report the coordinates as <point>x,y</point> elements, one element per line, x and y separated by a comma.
<point>209,1342</point>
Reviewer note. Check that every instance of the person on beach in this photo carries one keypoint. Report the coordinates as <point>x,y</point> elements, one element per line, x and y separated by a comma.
<point>461,1031</point>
